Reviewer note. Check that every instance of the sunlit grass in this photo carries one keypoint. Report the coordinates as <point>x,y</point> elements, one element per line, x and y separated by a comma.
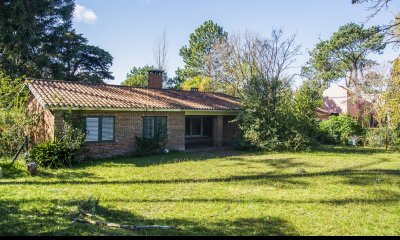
<point>332,191</point>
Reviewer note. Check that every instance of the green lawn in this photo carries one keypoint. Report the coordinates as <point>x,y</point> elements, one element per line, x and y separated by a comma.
<point>333,191</point>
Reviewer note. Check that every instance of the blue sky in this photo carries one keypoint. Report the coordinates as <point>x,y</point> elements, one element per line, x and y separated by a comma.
<point>128,29</point>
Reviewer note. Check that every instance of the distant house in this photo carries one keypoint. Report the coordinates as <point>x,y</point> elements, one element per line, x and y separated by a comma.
<point>114,115</point>
<point>342,100</point>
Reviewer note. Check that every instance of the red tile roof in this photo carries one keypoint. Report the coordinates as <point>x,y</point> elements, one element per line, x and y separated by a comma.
<point>62,94</point>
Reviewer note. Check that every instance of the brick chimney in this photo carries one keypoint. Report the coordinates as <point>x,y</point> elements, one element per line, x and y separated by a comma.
<point>155,79</point>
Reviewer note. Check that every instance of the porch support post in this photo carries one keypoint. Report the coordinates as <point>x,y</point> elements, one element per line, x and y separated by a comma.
<point>218,131</point>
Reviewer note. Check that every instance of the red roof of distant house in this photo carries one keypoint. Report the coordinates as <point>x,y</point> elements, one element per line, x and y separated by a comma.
<point>62,94</point>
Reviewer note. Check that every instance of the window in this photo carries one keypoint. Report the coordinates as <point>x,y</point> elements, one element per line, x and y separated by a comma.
<point>100,129</point>
<point>198,126</point>
<point>153,126</point>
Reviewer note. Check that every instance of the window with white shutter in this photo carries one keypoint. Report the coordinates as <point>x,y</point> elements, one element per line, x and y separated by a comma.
<point>100,129</point>
<point>148,127</point>
<point>92,129</point>
<point>107,130</point>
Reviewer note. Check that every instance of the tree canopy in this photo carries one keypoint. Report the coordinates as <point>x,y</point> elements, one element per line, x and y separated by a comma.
<point>37,40</point>
<point>201,44</point>
<point>138,76</point>
<point>345,54</point>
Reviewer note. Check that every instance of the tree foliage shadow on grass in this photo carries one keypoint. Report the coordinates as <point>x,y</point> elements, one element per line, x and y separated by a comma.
<point>351,174</point>
<point>348,150</point>
<point>160,159</point>
<point>55,217</point>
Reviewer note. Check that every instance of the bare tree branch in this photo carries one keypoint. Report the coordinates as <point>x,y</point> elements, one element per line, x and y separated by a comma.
<point>160,52</point>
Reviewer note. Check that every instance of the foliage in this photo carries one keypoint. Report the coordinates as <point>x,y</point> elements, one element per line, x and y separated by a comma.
<point>60,152</point>
<point>138,76</point>
<point>12,92</point>
<point>346,53</point>
<point>273,116</point>
<point>381,137</point>
<point>242,144</point>
<point>201,43</point>
<point>30,32</point>
<point>389,107</point>
<point>276,119</point>
<point>14,126</point>
<point>175,82</point>
<point>150,146</point>
<point>341,128</point>
<point>37,40</point>
<point>200,82</point>
<point>82,62</point>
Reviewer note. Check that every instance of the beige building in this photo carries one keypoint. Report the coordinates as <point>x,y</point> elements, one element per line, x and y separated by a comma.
<point>342,100</point>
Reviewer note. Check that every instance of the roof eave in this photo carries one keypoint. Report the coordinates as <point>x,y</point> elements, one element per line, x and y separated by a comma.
<point>57,108</point>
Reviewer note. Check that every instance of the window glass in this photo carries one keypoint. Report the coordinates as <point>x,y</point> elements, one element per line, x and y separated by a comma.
<point>148,127</point>
<point>92,129</point>
<point>161,125</point>
<point>107,133</point>
<point>154,125</point>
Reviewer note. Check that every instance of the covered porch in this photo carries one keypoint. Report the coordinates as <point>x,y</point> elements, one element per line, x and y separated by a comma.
<point>204,131</point>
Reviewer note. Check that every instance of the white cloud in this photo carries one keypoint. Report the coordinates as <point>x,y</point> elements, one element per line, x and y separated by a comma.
<point>83,14</point>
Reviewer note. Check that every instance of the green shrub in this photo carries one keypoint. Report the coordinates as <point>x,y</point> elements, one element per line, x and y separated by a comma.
<point>14,126</point>
<point>51,154</point>
<point>150,146</point>
<point>380,137</point>
<point>339,129</point>
<point>59,152</point>
<point>374,138</point>
<point>241,144</point>
<point>276,118</point>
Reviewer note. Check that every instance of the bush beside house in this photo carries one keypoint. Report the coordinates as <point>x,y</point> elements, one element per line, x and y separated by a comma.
<point>339,129</point>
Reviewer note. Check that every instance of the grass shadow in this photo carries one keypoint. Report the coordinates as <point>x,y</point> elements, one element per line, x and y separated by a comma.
<point>55,218</point>
<point>348,150</point>
<point>161,159</point>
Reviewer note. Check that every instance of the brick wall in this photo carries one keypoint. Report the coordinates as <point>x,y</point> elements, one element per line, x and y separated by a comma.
<point>43,128</point>
<point>127,126</point>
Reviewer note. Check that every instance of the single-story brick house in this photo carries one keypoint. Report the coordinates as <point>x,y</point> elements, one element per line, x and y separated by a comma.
<point>114,115</point>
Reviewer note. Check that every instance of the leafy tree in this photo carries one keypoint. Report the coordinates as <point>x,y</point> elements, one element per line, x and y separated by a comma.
<point>174,83</point>
<point>82,62</point>
<point>201,43</point>
<point>12,91</point>
<point>200,82</point>
<point>275,118</point>
<point>15,124</point>
<point>37,40</point>
<point>389,110</point>
<point>345,54</point>
<point>306,100</point>
<point>138,76</point>
<point>30,32</point>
